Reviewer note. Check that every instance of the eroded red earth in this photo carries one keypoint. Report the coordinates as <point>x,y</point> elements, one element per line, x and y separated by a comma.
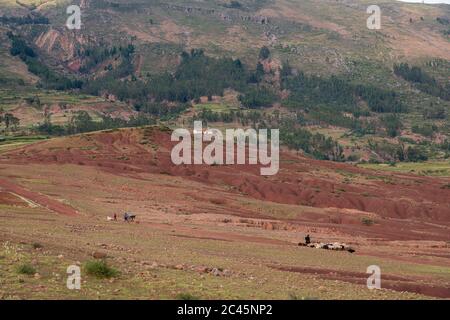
<point>346,191</point>
<point>332,197</point>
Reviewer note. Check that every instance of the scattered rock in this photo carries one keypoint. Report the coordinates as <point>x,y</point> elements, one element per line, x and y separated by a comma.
<point>99,255</point>
<point>226,273</point>
<point>219,272</point>
<point>202,269</point>
<point>216,272</point>
<point>268,226</point>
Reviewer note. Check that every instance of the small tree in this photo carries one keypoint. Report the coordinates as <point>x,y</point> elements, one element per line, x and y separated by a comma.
<point>81,122</point>
<point>264,53</point>
<point>416,154</point>
<point>259,74</point>
<point>10,121</point>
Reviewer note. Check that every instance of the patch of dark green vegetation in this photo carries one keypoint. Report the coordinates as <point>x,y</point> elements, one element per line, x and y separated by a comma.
<point>25,139</point>
<point>392,123</point>
<point>34,18</point>
<point>367,221</point>
<point>422,80</point>
<point>37,245</point>
<point>258,97</point>
<point>186,296</point>
<point>96,55</point>
<point>443,20</point>
<point>391,152</point>
<point>82,122</point>
<point>233,5</point>
<point>426,130</point>
<point>308,91</point>
<point>26,268</point>
<point>196,76</point>
<point>436,112</point>
<point>227,117</point>
<point>316,144</point>
<point>100,269</point>
<point>49,78</point>
<point>9,120</point>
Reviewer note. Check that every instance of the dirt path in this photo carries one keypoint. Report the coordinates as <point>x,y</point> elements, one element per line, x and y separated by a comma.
<point>30,203</point>
<point>35,198</point>
<point>186,232</point>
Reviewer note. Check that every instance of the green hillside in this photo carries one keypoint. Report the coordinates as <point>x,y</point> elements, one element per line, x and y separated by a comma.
<point>324,69</point>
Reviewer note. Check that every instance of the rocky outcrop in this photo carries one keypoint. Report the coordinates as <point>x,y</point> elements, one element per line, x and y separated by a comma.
<point>61,45</point>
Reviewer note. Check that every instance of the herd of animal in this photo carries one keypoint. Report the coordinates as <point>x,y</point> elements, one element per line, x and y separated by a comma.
<point>337,246</point>
<point>328,246</point>
<point>127,217</point>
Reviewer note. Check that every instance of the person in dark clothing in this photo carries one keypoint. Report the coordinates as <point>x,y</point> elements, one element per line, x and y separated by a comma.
<point>308,239</point>
<point>115,217</point>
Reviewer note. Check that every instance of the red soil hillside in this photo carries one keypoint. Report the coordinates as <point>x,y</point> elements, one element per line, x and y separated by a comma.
<point>420,206</point>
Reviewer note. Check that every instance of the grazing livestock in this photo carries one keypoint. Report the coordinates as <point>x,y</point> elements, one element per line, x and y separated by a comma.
<point>328,246</point>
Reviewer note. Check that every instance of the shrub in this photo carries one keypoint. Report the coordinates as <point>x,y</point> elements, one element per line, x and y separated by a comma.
<point>100,269</point>
<point>393,124</point>
<point>426,130</point>
<point>187,296</point>
<point>257,98</point>
<point>264,53</point>
<point>26,268</point>
<point>367,221</point>
<point>235,5</point>
<point>416,154</point>
<point>293,296</point>
<point>36,245</point>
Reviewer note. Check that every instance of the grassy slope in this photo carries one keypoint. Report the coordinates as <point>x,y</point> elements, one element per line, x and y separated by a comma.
<point>336,39</point>
<point>431,168</point>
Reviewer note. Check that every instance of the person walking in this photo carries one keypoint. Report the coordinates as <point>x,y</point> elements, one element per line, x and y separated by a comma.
<point>308,239</point>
